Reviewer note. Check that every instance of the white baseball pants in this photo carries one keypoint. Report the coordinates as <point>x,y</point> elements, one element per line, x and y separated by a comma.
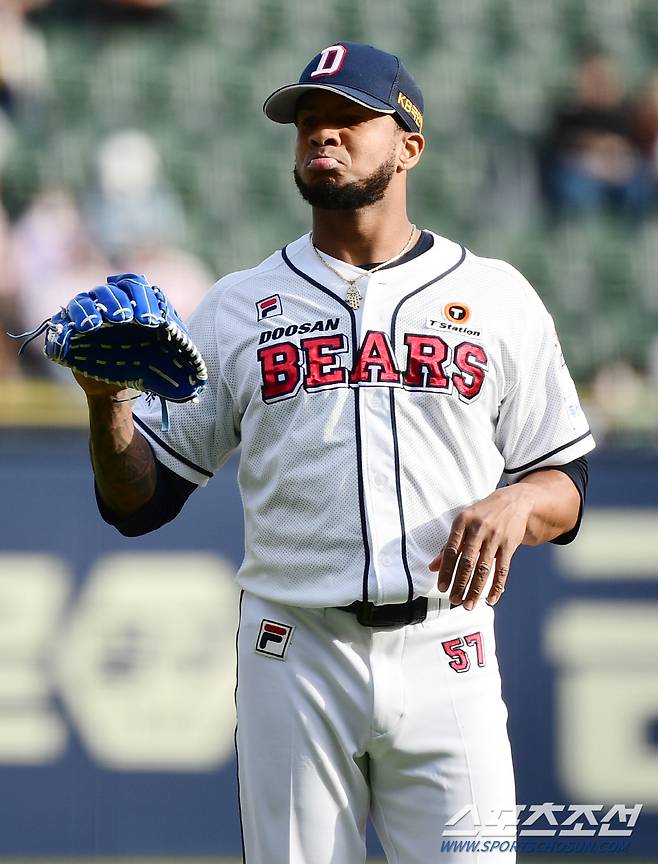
<point>337,721</point>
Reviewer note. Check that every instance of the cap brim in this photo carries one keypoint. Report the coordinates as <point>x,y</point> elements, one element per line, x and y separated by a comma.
<point>282,104</point>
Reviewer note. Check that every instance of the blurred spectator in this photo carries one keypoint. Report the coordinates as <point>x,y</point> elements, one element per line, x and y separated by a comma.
<point>133,203</point>
<point>55,259</point>
<point>138,219</point>
<point>180,274</point>
<point>139,5</point>
<point>9,322</point>
<point>590,159</point>
<point>633,397</point>
<point>645,123</point>
<point>111,12</point>
<point>8,273</point>
<point>23,56</point>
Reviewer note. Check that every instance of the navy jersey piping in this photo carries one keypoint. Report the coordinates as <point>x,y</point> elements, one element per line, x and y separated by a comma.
<point>235,734</point>
<point>396,446</point>
<point>312,281</point>
<point>357,420</point>
<point>547,455</point>
<point>169,449</point>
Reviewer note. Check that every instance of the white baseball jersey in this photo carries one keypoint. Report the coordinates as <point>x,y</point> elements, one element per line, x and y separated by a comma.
<point>364,433</point>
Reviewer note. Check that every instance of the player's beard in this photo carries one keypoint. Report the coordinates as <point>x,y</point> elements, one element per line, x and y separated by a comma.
<point>328,195</point>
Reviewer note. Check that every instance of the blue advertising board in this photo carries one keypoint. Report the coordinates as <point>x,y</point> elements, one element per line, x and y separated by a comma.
<point>117,661</point>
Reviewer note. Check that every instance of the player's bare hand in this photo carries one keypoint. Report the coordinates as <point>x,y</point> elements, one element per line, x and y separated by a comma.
<point>483,536</point>
<point>97,388</point>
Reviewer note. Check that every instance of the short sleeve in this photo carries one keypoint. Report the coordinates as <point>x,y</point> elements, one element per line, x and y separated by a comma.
<point>201,434</point>
<point>540,421</point>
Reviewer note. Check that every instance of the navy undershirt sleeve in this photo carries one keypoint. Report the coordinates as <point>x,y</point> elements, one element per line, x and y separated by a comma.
<point>171,493</point>
<point>578,471</point>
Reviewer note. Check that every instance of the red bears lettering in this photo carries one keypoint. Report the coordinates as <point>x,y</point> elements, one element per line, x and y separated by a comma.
<point>425,362</point>
<point>317,365</point>
<point>471,360</point>
<point>281,369</point>
<point>323,367</point>
<point>375,363</point>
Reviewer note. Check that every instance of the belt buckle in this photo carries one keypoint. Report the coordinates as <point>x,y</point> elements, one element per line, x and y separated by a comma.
<point>399,614</point>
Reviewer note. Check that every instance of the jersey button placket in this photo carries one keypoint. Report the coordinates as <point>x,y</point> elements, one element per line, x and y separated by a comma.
<point>385,584</point>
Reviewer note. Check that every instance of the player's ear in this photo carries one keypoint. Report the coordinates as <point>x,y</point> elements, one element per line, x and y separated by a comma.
<point>413,145</point>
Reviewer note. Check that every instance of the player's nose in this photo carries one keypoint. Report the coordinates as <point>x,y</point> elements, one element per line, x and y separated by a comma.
<point>323,135</point>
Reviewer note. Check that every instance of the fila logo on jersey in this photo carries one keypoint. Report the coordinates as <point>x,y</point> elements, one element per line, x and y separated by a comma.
<point>269,306</point>
<point>315,364</point>
<point>273,638</point>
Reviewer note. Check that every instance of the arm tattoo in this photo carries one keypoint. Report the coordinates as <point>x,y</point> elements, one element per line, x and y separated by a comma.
<point>122,459</point>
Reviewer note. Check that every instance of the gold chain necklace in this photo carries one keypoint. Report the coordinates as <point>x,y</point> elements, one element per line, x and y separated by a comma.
<point>352,295</point>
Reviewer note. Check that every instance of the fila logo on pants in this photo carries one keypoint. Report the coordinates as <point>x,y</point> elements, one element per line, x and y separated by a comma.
<point>273,639</point>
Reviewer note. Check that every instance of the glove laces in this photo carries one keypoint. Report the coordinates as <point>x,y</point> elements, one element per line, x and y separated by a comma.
<point>31,334</point>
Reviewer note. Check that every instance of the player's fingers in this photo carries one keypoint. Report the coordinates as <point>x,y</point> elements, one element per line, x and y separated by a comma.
<point>114,304</point>
<point>503,559</point>
<point>480,576</point>
<point>145,301</point>
<point>83,313</point>
<point>465,567</point>
<point>449,554</point>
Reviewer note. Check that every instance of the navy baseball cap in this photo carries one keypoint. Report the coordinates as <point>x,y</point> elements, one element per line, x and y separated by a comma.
<point>361,73</point>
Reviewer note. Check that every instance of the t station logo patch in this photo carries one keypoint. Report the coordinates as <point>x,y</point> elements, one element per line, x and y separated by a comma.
<point>457,313</point>
<point>273,639</point>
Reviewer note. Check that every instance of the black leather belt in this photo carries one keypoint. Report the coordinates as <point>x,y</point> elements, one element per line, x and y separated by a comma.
<point>391,615</point>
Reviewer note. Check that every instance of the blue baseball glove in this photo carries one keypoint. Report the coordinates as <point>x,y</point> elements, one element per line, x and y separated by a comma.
<point>126,333</point>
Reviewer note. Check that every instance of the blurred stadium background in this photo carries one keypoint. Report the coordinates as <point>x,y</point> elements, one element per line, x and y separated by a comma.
<point>132,138</point>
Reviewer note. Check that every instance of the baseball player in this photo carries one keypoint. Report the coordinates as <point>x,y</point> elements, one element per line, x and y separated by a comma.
<point>380,380</point>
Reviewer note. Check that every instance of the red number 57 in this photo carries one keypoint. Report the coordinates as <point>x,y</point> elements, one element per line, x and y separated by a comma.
<point>455,649</point>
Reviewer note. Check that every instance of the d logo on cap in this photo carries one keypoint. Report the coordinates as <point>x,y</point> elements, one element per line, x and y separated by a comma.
<point>331,59</point>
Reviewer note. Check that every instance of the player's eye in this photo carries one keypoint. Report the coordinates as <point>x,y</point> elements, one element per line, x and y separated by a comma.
<point>307,122</point>
<point>356,119</point>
